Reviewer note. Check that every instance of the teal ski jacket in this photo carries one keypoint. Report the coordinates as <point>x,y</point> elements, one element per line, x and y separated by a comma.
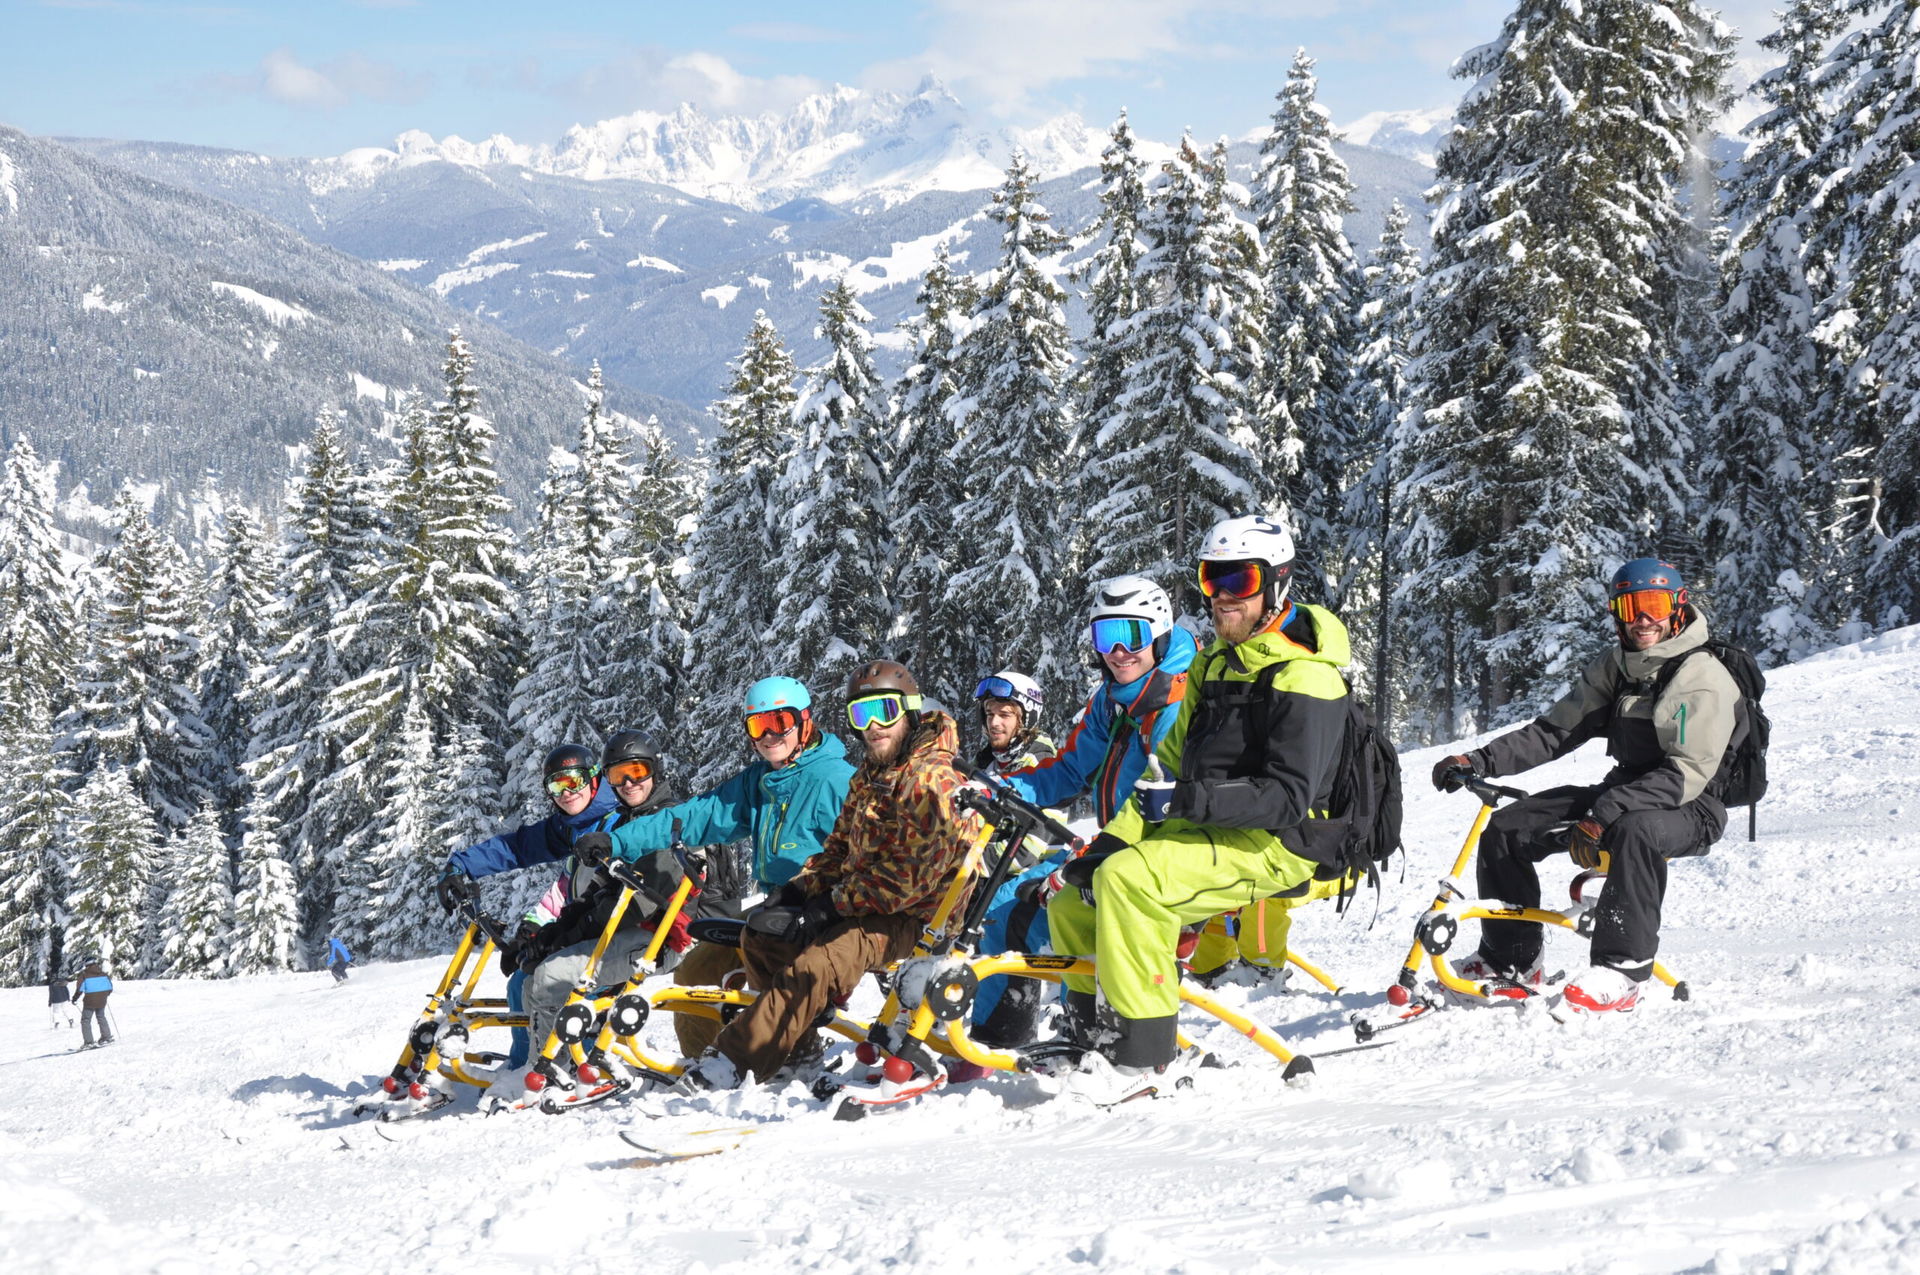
<point>787,812</point>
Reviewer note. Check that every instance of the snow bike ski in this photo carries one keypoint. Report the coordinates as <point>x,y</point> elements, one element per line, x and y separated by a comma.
<point>1434,933</point>
<point>437,1054</point>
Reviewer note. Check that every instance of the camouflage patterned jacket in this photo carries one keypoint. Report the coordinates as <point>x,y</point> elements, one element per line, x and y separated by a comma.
<point>898,840</point>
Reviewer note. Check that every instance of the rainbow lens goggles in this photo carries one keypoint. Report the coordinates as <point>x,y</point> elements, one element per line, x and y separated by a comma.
<point>878,710</point>
<point>570,779</point>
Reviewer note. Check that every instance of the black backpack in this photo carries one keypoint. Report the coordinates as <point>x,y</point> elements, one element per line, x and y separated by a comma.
<point>1742,780</point>
<point>1361,830</point>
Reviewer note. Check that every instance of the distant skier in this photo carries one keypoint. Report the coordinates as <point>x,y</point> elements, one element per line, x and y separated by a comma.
<point>59,1002</point>
<point>338,958</point>
<point>92,991</point>
<point>1660,801</point>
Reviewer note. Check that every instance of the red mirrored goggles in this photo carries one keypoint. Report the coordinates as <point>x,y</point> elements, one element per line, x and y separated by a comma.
<point>1233,579</point>
<point>629,772</point>
<point>774,721</point>
<point>1651,604</point>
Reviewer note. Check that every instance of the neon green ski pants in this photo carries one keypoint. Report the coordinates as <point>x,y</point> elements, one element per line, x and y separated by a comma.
<point>1144,894</point>
<point>1259,933</point>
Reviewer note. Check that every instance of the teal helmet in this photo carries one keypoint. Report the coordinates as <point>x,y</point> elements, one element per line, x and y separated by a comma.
<point>777,692</point>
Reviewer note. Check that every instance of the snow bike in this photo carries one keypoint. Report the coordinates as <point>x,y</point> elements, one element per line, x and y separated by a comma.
<point>437,1054</point>
<point>598,1028</point>
<point>1434,933</point>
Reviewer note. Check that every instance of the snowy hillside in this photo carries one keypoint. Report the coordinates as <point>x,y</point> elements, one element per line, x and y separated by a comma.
<point>1767,1124</point>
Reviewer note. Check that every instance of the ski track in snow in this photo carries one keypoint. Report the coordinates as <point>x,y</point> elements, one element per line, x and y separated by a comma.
<point>1767,1125</point>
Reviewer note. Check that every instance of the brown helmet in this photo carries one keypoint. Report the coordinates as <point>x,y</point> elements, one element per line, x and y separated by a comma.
<point>881,676</point>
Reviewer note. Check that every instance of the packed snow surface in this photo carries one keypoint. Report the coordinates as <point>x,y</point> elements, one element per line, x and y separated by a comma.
<point>278,312</point>
<point>1769,1124</point>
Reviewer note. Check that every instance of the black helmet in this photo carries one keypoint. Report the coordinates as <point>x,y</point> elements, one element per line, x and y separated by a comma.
<point>629,745</point>
<point>567,756</point>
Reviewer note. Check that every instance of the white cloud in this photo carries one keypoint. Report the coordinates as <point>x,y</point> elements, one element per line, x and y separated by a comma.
<point>1004,54</point>
<point>283,77</point>
<point>654,79</point>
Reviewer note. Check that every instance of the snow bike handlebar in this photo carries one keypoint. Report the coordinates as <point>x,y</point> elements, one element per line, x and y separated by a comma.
<point>998,805</point>
<point>1490,793</point>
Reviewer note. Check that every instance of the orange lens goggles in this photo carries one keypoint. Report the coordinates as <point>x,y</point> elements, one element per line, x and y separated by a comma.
<point>629,772</point>
<point>1652,604</point>
<point>775,721</point>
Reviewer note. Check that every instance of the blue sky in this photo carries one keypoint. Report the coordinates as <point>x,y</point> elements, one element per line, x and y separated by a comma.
<point>323,76</point>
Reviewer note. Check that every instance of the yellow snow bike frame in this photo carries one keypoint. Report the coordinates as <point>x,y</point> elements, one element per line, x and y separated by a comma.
<point>1439,925</point>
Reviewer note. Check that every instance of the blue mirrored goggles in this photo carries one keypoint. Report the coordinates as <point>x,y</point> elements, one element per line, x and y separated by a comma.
<point>996,688</point>
<point>1122,631</point>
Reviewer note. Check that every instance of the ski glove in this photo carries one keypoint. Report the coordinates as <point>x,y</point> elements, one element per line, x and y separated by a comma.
<point>1583,843</point>
<point>1155,791</point>
<point>593,847</point>
<point>790,895</point>
<point>1451,773</point>
<point>455,887</point>
<point>1079,872</point>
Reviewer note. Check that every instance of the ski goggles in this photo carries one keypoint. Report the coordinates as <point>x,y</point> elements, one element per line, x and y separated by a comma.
<point>876,710</point>
<point>1121,633</point>
<point>998,688</point>
<point>629,772</point>
<point>1650,604</point>
<point>570,779</point>
<point>1240,579</point>
<point>772,721</point>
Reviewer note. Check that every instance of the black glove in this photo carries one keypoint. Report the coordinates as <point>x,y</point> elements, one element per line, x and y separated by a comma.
<point>796,925</point>
<point>1583,843</point>
<point>593,847</point>
<point>1451,773</point>
<point>1079,872</point>
<point>454,888</point>
<point>790,895</point>
<point>1040,891</point>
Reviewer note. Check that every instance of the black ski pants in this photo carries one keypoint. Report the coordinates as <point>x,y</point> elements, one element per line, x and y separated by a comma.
<point>1626,921</point>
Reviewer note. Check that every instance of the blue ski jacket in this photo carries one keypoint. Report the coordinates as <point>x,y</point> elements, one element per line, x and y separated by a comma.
<point>788,813</point>
<point>1107,749</point>
<point>337,951</point>
<point>544,841</point>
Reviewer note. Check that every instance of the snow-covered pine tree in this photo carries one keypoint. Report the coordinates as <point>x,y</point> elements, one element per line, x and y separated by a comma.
<point>1537,348</point>
<point>1375,529</point>
<point>642,615</point>
<point>1868,219</point>
<point>197,921</point>
<point>33,812</point>
<point>1301,196</point>
<point>1115,292</point>
<point>833,609</point>
<point>405,919</point>
<point>468,814</point>
<point>39,623</point>
<point>266,902</point>
<point>734,547</point>
<point>553,701</point>
<point>1188,356</point>
<point>1764,472</point>
<point>1014,430</point>
<point>238,639</point>
<point>925,486</point>
<point>137,708</point>
<point>110,841</point>
<point>330,535</point>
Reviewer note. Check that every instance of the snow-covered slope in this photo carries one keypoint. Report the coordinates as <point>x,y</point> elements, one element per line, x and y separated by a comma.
<point>866,150</point>
<point>1414,135</point>
<point>1769,1124</point>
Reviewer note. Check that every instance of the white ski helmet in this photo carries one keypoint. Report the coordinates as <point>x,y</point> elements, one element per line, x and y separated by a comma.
<point>1133,597</point>
<point>1254,538</point>
<point>1015,688</point>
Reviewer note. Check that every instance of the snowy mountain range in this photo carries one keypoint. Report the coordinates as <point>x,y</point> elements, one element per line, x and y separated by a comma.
<point>862,150</point>
<point>1414,135</point>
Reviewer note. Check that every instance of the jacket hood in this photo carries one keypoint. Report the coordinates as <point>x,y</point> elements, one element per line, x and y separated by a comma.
<point>1312,629</point>
<point>829,749</point>
<point>1182,650</point>
<point>1641,665</point>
